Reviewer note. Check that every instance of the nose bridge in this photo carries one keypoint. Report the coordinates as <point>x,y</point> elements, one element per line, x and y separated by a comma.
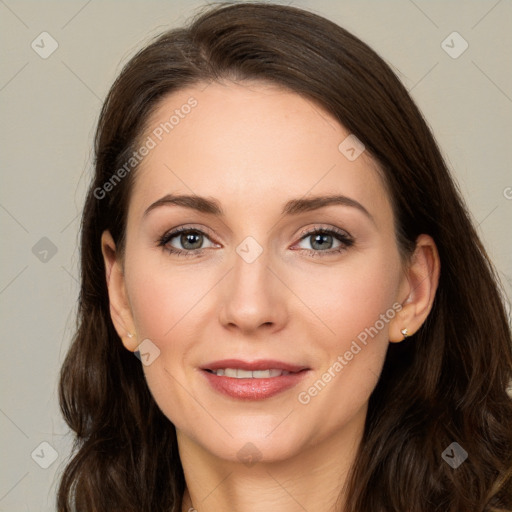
<point>250,272</point>
<point>252,296</point>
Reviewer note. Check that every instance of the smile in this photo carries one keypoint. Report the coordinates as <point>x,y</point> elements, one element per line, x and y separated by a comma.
<point>238,373</point>
<point>255,380</point>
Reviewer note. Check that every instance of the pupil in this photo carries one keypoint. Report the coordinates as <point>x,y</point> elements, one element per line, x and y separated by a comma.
<point>319,238</point>
<point>189,239</point>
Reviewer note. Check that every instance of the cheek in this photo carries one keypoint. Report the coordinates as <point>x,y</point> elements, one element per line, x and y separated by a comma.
<point>357,309</point>
<point>161,296</point>
<point>163,303</point>
<point>153,309</point>
<point>356,305</point>
<point>353,297</point>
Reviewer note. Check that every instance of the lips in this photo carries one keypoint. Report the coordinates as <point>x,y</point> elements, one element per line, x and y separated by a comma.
<point>254,380</point>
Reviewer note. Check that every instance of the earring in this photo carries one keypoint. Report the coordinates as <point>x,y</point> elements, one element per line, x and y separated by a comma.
<point>130,335</point>
<point>405,333</point>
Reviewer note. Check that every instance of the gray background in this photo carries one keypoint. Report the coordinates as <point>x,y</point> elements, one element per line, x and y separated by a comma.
<point>49,108</point>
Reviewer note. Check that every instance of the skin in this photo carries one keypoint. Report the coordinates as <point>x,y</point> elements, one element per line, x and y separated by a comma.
<point>253,147</point>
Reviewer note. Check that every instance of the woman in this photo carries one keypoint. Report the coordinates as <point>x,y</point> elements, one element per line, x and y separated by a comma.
<point>272,231</point>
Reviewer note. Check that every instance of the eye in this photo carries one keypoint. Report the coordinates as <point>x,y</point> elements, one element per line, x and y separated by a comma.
<point>326,241</point>
<point>189,240</point>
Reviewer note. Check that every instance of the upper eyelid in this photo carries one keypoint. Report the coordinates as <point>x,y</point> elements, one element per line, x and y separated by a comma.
<point>177,230</point>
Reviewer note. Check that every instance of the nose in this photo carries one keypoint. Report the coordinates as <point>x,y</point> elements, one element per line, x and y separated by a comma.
<point>254,298</point>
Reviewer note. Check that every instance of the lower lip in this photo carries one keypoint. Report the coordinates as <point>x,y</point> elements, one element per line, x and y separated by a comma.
<point>253,389</point>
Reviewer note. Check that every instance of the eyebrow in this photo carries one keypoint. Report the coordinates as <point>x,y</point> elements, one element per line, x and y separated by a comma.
<point>292,207</point>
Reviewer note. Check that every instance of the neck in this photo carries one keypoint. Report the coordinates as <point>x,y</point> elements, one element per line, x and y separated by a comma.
<point>312,479</point>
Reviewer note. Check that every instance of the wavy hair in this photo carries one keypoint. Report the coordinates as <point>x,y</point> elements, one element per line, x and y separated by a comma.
<point>446,384</point>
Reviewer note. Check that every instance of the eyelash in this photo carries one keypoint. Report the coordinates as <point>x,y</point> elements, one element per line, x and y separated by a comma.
<point>343,237</point>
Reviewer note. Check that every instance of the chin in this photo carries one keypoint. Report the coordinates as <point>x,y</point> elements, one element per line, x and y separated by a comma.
<point>260,441</point>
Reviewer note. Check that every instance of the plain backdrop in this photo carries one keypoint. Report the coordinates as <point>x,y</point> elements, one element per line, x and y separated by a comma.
<point>49,107</point>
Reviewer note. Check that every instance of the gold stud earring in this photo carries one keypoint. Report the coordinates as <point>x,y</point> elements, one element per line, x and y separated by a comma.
<point>405,333</point>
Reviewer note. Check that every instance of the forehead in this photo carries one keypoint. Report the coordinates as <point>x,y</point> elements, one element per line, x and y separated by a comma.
<point>250,144</point>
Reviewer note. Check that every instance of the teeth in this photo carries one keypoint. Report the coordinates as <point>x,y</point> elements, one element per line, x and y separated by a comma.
<point>246,374</point>
<point>261,374</point>
<point>243,374</point>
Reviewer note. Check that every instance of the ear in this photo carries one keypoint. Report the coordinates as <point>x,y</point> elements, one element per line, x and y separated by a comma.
<point>120,310</point>
<point>417,289</point>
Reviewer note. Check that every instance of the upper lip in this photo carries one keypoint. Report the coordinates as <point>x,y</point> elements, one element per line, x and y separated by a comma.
<point>260,364</point>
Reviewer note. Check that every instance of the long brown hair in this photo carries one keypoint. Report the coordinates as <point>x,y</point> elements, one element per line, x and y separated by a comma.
<point>446,384</point>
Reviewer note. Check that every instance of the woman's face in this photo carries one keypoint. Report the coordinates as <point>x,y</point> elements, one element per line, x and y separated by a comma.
<point>266,269</point>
